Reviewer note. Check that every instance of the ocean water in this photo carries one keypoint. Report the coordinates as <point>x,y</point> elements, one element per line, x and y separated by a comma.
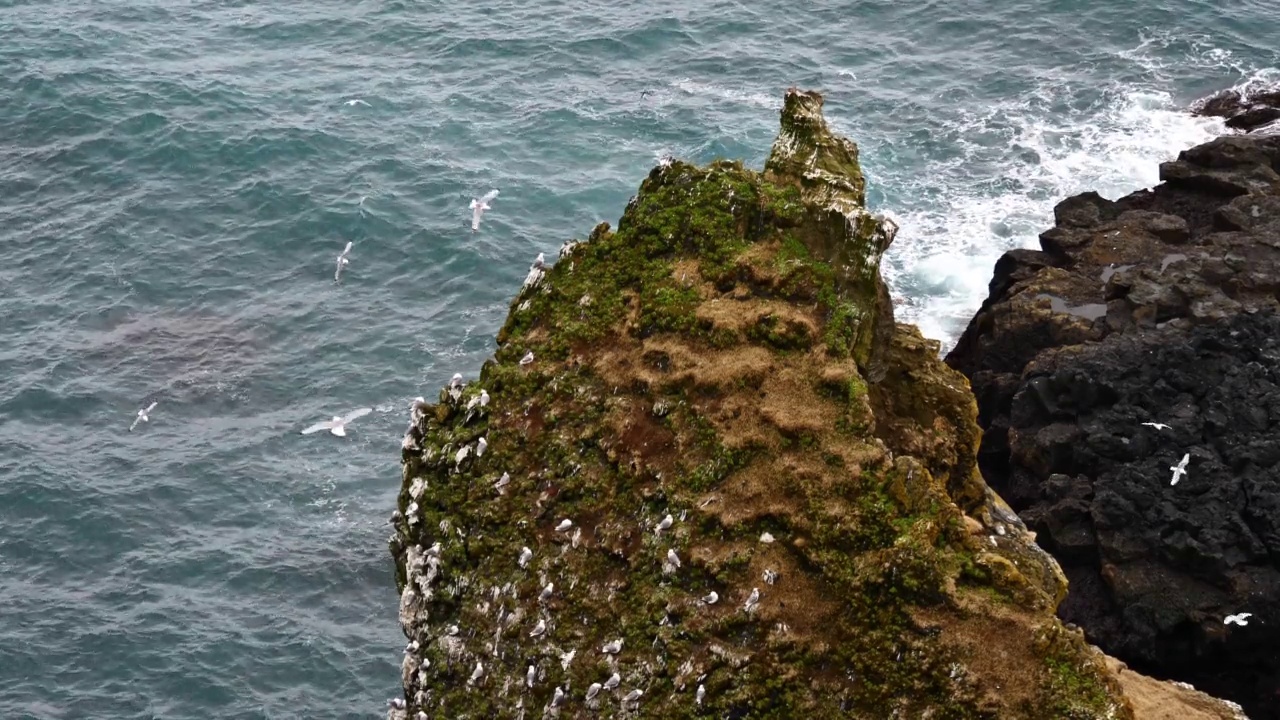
<point>176,179</point>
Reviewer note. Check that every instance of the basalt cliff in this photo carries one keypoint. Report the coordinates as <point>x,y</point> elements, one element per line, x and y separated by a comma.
<point>1144,331</point>
<point>706,474</point>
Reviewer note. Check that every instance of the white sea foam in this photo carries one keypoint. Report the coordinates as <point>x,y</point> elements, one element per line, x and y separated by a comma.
<point>1018,159</point>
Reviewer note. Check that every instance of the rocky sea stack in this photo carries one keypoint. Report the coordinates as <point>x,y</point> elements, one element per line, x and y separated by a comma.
<point>1156,308</point>
<point>712,477</point>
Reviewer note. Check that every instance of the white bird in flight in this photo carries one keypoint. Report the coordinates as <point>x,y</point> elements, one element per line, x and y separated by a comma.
<point>1157,426</point>
<point>356,101</point>
<point>1241,619</point>
<point>342,262</point>
<point>143,416</point>
<point>478,206</point>
<point>337,424</point>
<point>1180,469</point>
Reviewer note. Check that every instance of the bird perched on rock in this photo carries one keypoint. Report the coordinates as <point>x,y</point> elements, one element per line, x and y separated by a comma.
<point>540,629</point>
<point>525,556</point>
<point>564,525</point>
<point>528,358</point>
<point>478,206</point>
<point>1240,619</point>
<point>481,445</point>
<point>557,698</point>
<point>613,681</point>
<point>484,398</point>
<point>612,647</point>
<point>342,262</point>
<point>770,576</point>
<point>462,454</point>
<point>397,703</point>
<point>667,522</point>
<point>701,693</point>
<point>711,598</point>
<point>593,690</point>
<point>476,674</point>
<point>337,425</point>
<point>434,550</point>
<point>1180,469</point>
<point>539,262</point>
<point>752,600</point>
<point>545,595</point>
<point>530,675</point>
<point>143,416</point>
<point>633,696</point>
<point>673,558</point>
<point>456,380</point>
<point>501,483</point>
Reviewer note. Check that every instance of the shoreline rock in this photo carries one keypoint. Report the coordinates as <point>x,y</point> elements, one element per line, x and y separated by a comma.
<point>720,481</point>
<point>1246,110</point>
<point>1160,307</point>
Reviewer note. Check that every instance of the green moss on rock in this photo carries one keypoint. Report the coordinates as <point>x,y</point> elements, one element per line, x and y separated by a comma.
<point>727,357</point>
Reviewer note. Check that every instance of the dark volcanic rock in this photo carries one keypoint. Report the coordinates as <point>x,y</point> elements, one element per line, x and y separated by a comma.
<point>1159,307</point>
<point>1247,111</point>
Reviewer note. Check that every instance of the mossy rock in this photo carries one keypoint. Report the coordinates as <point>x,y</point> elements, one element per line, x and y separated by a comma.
<point>722,358</point>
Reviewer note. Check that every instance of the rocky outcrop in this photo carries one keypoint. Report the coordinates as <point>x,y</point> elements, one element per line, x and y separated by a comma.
<point>1156,308</point>
<point>1248,110</point>
<point>706,475</point>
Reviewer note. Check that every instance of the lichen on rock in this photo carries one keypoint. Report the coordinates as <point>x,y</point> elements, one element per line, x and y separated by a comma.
<point>726,357</point>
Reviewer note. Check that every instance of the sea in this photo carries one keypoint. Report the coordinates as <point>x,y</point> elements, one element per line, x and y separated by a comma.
<point>177,178</point>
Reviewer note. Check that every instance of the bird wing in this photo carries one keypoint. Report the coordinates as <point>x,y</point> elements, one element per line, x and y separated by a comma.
<point>484,199</point>
<point>475,215</point>
<point>318,427</point>
<point>152,406</point>
<point>1182,464</point>
<point>135,423</point>
<point>355,414</point>
<point>346,250</point>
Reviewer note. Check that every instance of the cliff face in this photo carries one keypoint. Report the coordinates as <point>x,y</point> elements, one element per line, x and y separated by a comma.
<point>706,475</point>
<point>1157,308</point>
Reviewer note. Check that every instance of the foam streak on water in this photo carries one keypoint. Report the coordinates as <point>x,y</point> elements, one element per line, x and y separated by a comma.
<point>176,179</point>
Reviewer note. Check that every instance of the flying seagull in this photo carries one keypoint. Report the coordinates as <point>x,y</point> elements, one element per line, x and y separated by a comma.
<point>337,424</point>
<point>143,416</point>
<point>342,262</point>
<point>1157,426</point>
<point>356,101</point>
<point>478,206</point>
<point>1241,619</point>
<point>1180,469</point>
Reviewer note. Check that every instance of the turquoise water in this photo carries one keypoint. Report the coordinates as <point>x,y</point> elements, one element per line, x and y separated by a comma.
<point>177,177</point>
